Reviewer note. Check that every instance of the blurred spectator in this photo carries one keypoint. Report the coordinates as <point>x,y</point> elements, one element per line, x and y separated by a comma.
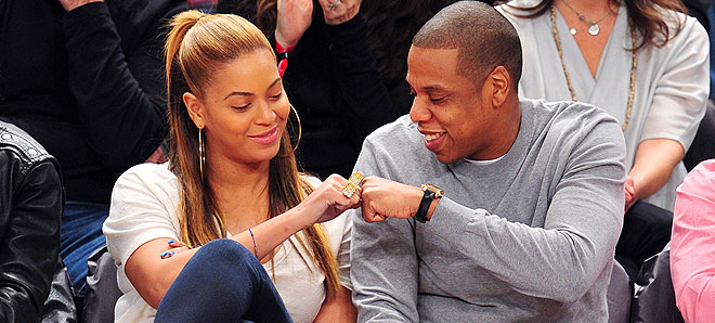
<point>643,62</point>
<point>85,79</point>
<point>692,254</point>
<point>31,198</point>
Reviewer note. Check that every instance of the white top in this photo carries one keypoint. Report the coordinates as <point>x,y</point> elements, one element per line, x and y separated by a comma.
<point>144,204</point>
<point>672,82</point>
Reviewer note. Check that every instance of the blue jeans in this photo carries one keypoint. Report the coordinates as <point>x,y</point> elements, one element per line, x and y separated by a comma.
<point>81,234</point>
<point>223,282</point>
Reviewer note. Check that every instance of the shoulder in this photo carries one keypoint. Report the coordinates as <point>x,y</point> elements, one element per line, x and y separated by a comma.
<point>393,151</point>
<point>396,136</point>
<point>567,113</point>
<point>144,16</point>
<point>682,28</point>
<point>512,10</point>
<point>701,180</point>
<point>147,177</point>
<point>568,124</point>
<point>23,147</point>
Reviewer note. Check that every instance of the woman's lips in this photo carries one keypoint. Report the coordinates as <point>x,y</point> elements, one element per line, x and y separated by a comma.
<point>267,137</point>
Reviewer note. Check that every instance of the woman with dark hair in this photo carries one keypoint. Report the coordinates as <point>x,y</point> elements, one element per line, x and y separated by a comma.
<point>346,79</point>
<point>231,175</point>
<point>644,62</point>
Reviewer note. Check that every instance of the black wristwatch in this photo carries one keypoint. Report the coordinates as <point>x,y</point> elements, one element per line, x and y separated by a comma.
<point>431,192</point>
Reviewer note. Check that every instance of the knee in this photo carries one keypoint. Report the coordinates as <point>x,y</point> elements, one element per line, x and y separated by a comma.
<point>226,251</point>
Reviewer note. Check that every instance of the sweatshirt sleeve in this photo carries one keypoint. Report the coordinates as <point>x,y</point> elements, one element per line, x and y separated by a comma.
<point>681,92</point>
<point>383,262</point>
<point>578,239</point>
<point>120,94</point>
<point>692,254</point>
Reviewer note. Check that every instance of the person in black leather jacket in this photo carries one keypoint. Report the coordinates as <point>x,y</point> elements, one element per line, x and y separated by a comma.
<point>31,202</point>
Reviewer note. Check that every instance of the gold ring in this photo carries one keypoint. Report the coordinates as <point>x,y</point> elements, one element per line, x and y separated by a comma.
<point>353,184</point>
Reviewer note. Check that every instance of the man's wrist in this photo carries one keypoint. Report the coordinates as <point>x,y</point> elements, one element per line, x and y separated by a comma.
<point>427,204</point>
<point>432,207</point>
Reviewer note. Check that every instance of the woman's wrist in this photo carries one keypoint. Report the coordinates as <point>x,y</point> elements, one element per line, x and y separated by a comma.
<point>298,218</point>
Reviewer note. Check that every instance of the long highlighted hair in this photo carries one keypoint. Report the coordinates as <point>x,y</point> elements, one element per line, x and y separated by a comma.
<point>197,45</point>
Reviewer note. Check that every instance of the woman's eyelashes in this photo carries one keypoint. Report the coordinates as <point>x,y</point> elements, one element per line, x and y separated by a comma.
<point>241,107</point>
<point>277,96</point>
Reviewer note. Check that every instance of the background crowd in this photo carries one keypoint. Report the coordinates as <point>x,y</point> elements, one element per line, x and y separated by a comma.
<point>94,113</point>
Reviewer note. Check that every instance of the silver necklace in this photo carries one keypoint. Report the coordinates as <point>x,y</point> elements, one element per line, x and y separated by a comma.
<point>593,28</point>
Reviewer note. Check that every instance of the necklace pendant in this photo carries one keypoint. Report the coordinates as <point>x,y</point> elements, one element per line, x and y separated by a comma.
<point>593,30</point>
<point>572,31</point>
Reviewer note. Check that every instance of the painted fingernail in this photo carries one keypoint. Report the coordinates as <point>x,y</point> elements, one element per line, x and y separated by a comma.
<point>171,241</point>
<point>163,254</point>
<point>172,253</point>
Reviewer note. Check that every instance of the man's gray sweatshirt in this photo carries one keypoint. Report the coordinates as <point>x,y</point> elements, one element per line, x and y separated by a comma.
<point>529,237</point>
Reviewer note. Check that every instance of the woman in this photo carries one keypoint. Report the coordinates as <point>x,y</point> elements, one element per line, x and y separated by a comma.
<point>346,67</point>
<point>231,174</point>
<point>642,61</point>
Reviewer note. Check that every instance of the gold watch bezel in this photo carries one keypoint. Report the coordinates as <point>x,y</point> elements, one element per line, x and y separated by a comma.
<point>438,192</point>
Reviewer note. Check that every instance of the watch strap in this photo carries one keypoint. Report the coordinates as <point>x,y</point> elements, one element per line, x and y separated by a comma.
<point>427,198</point>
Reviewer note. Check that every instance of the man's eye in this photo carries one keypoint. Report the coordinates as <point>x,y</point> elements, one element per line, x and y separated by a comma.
<point>437,100</point>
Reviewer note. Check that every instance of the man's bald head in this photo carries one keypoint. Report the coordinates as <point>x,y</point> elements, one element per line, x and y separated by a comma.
<point>482,36</point>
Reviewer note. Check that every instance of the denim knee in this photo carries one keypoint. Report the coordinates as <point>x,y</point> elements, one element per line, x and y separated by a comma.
<point>229,252</point>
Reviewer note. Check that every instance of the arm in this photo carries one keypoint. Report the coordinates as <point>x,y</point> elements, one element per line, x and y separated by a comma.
<point>138,216</point>
<point>29,247</point>
<point>578,238</point>
<point>358,82</point>
<point>383,262</point>
<point>692,255</point>
<point>679,103</point>
<point>654,162</point>
<point>120,95</point>
<point>338,308</point>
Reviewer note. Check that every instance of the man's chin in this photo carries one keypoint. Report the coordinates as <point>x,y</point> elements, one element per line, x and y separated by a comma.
<point>443,158</point>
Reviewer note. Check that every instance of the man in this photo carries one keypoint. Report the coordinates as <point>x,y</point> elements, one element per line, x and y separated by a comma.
<point>31,198</point>
<point>532,202</point>
<point>85,79</point>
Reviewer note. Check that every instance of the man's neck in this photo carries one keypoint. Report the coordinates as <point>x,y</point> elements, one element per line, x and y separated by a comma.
<point>505,132</point>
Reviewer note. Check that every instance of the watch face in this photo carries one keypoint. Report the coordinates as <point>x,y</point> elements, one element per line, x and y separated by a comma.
<point>438,192</point>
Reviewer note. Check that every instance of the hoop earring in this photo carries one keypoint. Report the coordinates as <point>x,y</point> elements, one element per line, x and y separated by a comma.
<point>300,133</point>
<point>202,153</point>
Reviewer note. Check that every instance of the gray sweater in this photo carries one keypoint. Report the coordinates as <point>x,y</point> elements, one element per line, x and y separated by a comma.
<point>528,238</point>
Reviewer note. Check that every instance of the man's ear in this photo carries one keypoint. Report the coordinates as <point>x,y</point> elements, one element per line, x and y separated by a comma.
<point>498,83</point>
<point>195,108</point>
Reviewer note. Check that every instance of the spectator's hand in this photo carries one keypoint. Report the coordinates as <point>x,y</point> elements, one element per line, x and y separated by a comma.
<point>630,193</point>
<point>157,157</point>
<point>382,198</point>
<point>294,18</point>
<point>70,5</point>
<point>328,201</point>
<point>175,247</point>
<point>339,11</point>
